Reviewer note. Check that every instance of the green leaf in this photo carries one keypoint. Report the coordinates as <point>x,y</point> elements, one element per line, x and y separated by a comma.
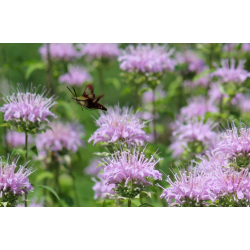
<point>102,153</point>
<point>146,205</point>
<point>18,151</point>
<point>32,67</point>
<point>8,125</point>
<point>34,150</point>
<point>50,189</point>
<point>44,175</point>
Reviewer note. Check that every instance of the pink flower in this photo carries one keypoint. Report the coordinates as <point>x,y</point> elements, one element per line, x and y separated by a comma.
<point>59,51</point>
<point>119,124</point>
<point>27,107</point>
<point>195,64</point>
<point>146,58</point>
<point>65,136</point>
<point>99,50</point>
<point>231,73</point>
<point>102,190</point>
<point>76,76</point>
<point>13,182</point>
<point>16,139</point>
<point>94,168</point>
<point>198,106</point>
<point>125,167</point>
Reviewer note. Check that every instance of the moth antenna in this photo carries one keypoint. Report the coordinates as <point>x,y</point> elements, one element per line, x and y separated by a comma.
<point>70,91</point>
<point>74,91</point>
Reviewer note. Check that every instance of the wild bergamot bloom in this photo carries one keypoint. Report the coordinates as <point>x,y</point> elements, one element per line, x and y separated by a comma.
<point>15,139</point>
<point>102,190</point>
<point>234,146</point>
<point>59,51</point>
<point>13,182</point>
<point>26,111</point>
<point>76,76</point>
<point>231,73</point>
<point>198,106</point>
<point>130,172</point>
<point>63,138</point>
<point>146,58</point>
<point>189,189</point>
<point>99,50</point>
<point>119,125</point>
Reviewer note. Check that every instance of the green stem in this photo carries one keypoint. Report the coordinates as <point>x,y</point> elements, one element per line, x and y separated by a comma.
<point>101,81</point>
<point>75,189</point>
<point>154,117</point>
<point>136,97</point>
<point>50,84</point>
<point>129,202</point>
<point>26,159</point>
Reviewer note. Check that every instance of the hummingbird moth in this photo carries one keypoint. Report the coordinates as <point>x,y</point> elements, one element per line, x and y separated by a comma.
<point>88,99</point>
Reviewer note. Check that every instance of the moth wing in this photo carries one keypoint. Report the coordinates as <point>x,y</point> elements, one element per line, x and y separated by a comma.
<point>89,92</point>
<point>99,97</point>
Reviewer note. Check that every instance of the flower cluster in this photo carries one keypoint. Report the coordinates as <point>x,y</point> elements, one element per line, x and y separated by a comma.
<point>235,145</point>
<point>94,168</point>
<point>220,178</point>
<point>13,182</point>
<point>195,64</point>
<point>27,110</point>
<point>59,51</point>
<point>99,50</point>
<point>129,171</point>
<point>76,76</point>
<point>102,190</point>
<point>231,73</point>
<point>198,106</point>
<point>63,137</point>
<point>119,124</point>
<point>15,139</point>
<point>147,58</point>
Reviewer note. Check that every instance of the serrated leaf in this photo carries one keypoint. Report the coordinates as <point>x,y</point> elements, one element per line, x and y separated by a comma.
<point>50,189</point>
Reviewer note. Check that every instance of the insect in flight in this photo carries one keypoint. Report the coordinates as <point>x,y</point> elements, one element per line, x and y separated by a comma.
<point>88,99</point>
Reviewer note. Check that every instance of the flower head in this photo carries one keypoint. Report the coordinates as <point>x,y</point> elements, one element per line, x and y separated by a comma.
<point>102,190</point>
<point>198,106</point>
<point>229,47</point>
<point>195,64</point>
<point>99,50</point>
<point>119,124</point>
<point>234,145</point>
<point>231,73</point>
<point>244,104</point>
<point>215,94</point>
<point>64,137</point>
<point>245,47</point>
<point>146,58</point>
<point>189,189</point>
<point>13,182</point>
<point>15,139</point>
<point>195,130</point>
<point>129,171</point>
<point>94,168</point>
<point>27,109</point>
<point>148,96</point>
<point>232,187</point>
<point>177,147</point>
<point>76,76</point>
<point>59,51</point>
